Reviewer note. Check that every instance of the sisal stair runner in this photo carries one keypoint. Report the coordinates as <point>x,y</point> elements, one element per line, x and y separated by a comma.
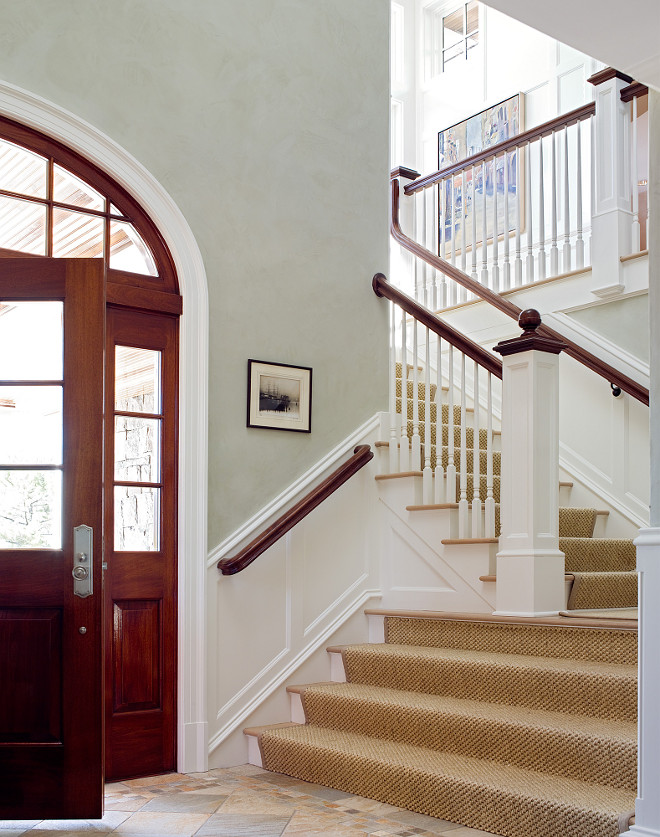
<point>519,729</point>
<point>603,569</point>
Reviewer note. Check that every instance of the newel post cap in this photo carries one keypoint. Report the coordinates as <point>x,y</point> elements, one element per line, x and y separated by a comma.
<point>530,321</point>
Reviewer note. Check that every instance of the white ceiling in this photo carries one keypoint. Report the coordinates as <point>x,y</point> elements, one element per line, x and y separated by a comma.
<point>624,35</point>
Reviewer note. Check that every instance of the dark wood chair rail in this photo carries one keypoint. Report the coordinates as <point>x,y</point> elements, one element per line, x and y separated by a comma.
<point>612,375</point>
<point>469,348</point>
<point>570,118</point>
<point>230,566</point>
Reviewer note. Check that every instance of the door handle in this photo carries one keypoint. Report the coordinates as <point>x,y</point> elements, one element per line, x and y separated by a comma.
<point>83,553</point>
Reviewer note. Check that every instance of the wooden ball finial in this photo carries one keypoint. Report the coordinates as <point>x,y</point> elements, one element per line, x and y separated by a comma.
<point>529,320</point>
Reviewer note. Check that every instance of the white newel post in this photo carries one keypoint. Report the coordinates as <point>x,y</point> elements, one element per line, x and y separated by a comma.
<point>647,806</point>
<point>611,232</point>
<point>530,567</point>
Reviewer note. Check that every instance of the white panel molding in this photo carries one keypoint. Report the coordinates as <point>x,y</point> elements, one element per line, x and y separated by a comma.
<point>50,119</point>
<point>631,507</point>
<point>231,724</point>
<point>366,434</point>
<point>598,345</point>
<point>343,599</point>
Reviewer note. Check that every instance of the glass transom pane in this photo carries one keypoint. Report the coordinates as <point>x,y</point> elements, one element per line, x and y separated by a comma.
<point>128,250</point>
<point>137,449</point>
<point>22,226</point>
<point>67,188</point>
<point>31,425</point>
<point>76,235</point>
<point>31,341</point>
<point>22,171</point>
<point>137,380</point>
<point>30,509</point>
<point>137,519</point>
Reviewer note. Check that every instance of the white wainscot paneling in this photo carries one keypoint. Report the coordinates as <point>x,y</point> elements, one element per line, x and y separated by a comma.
<point>333,560</point>
<point>251,624</point>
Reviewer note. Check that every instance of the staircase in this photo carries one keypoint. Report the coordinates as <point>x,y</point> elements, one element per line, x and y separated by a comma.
<point>518,727</point>
<point>524,728</point>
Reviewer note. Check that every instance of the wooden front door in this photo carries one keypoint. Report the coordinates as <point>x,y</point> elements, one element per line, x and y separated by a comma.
<point>52,345</point>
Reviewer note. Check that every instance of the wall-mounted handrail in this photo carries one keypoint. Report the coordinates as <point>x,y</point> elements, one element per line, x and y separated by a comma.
<point>544,130</point>
<point>612,375</point>
<point>230,566</point>
<point>468,347</point>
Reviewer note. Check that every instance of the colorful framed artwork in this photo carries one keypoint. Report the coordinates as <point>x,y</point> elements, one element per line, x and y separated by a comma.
<point>458,201</point>
<point>279,396</point>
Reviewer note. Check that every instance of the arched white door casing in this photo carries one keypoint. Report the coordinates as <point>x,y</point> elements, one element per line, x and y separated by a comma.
<point>49,119</point>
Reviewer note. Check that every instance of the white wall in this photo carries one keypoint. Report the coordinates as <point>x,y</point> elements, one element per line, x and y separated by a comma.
<point>510,58</point>
<point>259,119</point>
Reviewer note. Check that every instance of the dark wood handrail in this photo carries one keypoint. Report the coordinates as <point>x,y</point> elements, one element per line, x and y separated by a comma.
<point>612,375</point>
<point>469,348</point>
<point>544,130</point>
<point>632,91</point>
<point>230,566</point>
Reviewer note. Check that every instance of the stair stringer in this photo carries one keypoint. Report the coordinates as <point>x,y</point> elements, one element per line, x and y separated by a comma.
<point>418,571</point>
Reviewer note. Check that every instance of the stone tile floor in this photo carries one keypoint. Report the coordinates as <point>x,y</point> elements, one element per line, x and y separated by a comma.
<point>238,801</point>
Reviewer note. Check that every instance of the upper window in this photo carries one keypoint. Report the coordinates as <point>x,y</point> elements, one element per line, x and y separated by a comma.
<point>449,35</point>
<point>46,210</point>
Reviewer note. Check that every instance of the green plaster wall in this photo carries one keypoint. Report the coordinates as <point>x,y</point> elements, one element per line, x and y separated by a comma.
<point>267,122</point>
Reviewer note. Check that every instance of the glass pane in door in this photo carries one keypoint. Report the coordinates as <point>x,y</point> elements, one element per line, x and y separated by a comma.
<point>137,380</point>
<point>30,509</point>
<point>30,425</point>
<point>31,341</point>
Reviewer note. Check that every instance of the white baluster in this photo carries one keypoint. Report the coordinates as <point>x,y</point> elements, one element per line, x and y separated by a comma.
<point>432,227</point>
<point>393,442</point>
<point>474,227</point>
<point>579,243</point>
<point>495,269</point>
<point>529,261</point>
<point>451,466</point>
<point>566,254</point>
<point>404,443</point>
<point>453,220</point>
<point>554,250</point>
<point>421,294</point>
<point>518,262</point>
<point>484,229</point>
<point>427,473</point>
<point>463,230</point>
<point>463,505</point>
<point>489,529</point>
<point>636,230</point>
<point>506,267</point>
<point>542,264</point>
<point>439,481</point>
<point>416,445</point>
<point>476,459</point>
<point>443,296</point>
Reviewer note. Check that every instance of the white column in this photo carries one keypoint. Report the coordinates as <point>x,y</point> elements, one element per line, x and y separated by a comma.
<point>530,567</point>
<point>647,806</point>
<point>611,233</point>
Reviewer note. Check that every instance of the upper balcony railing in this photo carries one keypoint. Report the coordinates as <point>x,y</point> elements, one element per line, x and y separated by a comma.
<point>527,209</point>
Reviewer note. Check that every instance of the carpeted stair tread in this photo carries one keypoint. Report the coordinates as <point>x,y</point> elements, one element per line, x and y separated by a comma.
<point>598,554</point>
<point>551,742</point>
<point>555,684</point>
<point>577,522</point>
<point>575,643</point>
<point>503,799</point>
<point>603,590</point>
